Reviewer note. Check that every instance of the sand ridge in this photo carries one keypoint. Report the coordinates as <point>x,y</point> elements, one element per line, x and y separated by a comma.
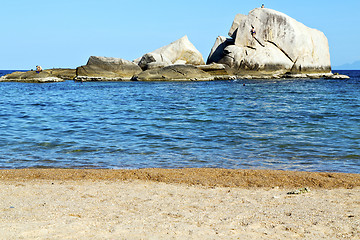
<point>195,176</point>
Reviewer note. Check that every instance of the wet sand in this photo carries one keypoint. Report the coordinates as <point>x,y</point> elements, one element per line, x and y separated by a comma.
<point>178,204</point>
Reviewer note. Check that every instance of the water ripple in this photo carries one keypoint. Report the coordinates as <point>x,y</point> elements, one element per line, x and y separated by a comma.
<point>311,125</point>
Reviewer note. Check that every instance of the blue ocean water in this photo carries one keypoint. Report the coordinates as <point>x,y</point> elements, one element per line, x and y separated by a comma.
<point>311,125</point>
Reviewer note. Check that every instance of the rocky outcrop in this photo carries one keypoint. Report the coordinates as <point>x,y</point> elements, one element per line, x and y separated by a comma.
<point>338,76</point>
<point>45,76</point>
<point>217,71</point>
<point>174,73</point>
<point>263,44</point>
<point>107,69</point>
<point>182,51</point>
<point>217,51</point>
<point>280,45</point>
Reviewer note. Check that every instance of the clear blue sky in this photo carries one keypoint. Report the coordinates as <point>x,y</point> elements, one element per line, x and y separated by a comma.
<point>64,33</point>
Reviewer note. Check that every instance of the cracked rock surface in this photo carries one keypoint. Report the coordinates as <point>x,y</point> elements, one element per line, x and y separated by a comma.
<point>174,72</point>
<point>281,44</point>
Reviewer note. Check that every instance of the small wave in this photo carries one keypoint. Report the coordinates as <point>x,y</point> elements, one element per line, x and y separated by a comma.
<point>300,124</point>
<point>82,151</point>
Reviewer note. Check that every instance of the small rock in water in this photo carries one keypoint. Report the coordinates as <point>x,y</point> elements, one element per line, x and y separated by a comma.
<point>338,76</point>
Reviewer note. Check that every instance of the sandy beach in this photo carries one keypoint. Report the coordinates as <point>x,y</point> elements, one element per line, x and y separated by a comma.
<point>178,204</point>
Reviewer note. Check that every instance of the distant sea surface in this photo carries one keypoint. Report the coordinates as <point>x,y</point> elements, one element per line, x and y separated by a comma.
<point>311,125</point>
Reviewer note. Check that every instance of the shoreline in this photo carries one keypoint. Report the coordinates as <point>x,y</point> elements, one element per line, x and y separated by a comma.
<point>178,204</point>
<point>209,177</point>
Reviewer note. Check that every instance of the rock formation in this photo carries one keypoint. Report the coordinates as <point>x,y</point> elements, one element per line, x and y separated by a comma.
<point>217,51</point>
<point>49,75</point>
<point>217,71</point>
<point>280,45</point>
<point>174,73</point>
<point>263,44</point>
<point>107,68</point>
<point>182,51</point>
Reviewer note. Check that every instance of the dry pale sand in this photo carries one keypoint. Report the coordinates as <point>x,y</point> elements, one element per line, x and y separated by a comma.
<point>177,204</point>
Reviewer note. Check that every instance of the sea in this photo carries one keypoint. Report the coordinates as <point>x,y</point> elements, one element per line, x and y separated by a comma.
<point>287,124</point>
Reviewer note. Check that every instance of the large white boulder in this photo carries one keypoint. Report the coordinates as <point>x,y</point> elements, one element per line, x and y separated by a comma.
<point>280,43</point>
<point>182,51</point>
<point>236,23</point>
<point>268,58</point>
